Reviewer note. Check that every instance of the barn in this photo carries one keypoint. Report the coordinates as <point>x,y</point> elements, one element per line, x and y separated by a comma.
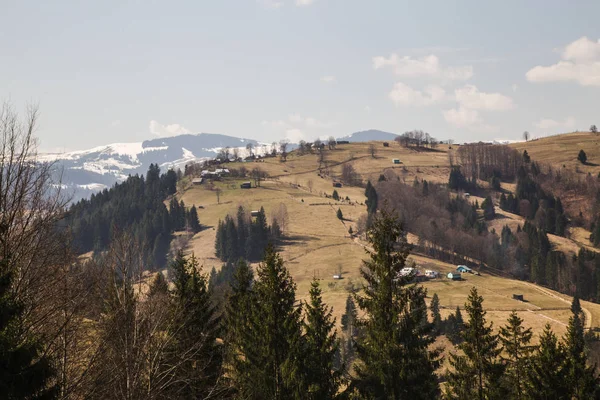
<point>337,184</point>
<point>246,185</point>
<point>396,161</point>
<point>464,269</point>
<point>455,276</point>
<point>197,181</point>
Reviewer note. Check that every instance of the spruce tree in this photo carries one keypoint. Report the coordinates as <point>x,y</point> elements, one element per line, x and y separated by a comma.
<point>25,371</point>
<point>339,214</point>
<point>193,221</point>
<point>434,306</point>
<point>546,375</point>
<point>239,341</point>
<point>581,378</point>
<point>198,356</point>
<point>349,331</point>
<point>515,341</point>
<point>395,360</point>
<point>159,285</point>
<point>270,367</point>
<point>477,373</point>
<point>321,346</point>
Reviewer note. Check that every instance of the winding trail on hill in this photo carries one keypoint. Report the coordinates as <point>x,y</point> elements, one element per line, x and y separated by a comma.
<point>588,314</point>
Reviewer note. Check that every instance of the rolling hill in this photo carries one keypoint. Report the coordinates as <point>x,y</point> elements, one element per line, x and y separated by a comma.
<point>318,243</point>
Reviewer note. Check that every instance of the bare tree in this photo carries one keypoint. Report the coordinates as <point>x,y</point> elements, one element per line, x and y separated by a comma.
<point>218,193</point>
<point>310,185</point>
<point>236,153</point>
<point>283,145</point>
<point>258,175</point>
<point>372,150</point>
<point>280,214</point>
<point>249,147</point>
<point>331,143</point>
<point>526,135</point>
<point>348,174</point>
<point>593,129</point>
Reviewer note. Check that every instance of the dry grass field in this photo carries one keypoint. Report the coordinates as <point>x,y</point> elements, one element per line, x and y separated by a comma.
<point>562,150</point>
<point>318,244</point>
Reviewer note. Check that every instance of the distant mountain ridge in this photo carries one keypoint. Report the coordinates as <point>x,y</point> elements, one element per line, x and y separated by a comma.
<point>84,172</point>
<point>369,135</point>
<point>87,171</point>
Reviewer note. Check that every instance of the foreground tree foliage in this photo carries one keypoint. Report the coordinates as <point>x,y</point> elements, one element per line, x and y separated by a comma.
<point>477,374</point>
<point>546,376</point>
<point>395,361</point>
<point>515,340</point>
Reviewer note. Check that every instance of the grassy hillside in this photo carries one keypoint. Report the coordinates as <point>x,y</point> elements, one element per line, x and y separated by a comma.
<point>318,244</point>
<point>562,150</point>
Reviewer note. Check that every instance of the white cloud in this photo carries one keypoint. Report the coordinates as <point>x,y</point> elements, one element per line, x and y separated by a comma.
<point>295,135</point>
<point>160,130</point>
<point>580,63</point>
<point>514,87</point>
<point>428,66</point>
<point>468,119</point>
<point>302,3</point>
<point>548,124</point>
<point>470,97</point>
<point>404,95</point>
<point>328,79</point>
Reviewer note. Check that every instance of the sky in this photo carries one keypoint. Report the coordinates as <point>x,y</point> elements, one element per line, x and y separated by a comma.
<point>127,71</point>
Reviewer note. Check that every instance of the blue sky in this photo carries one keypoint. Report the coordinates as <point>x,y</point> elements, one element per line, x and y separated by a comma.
<point>124,71</point>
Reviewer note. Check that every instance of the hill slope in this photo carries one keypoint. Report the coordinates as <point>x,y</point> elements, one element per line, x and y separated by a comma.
<point>318,243</point>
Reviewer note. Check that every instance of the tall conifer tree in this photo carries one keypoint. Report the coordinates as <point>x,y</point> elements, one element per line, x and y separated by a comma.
<point>515,341</point>
<point>395,360</point>
<point>321,346</point>
<point>477,373</point>
<point>546,376</point>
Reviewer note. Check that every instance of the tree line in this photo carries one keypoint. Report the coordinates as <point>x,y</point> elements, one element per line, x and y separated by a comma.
<point>136,205</point>
<point>247,237</point>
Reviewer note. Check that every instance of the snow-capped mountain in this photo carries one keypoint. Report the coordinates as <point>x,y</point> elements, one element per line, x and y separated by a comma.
<point>87,171</point>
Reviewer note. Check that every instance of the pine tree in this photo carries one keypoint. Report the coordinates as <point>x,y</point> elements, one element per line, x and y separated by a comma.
<point>349,330</point>
<point>335,195</point>
<point>395,360</point>
<point>339,214</point>
<point>272,354</point>
<point>321,346</point>
<point>192,220</point>
<point>435,312</point>
<point>546,376</point>
<point>581,378</point>
<point>25,371</point>
<point>371,195</point>
<point>159,285</point>
<point>238,311</point>
<point>515,340</point>
<point>477,373</point>
<point>198,355</point>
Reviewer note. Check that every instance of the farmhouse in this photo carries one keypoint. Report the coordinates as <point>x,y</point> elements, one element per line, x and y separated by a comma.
<point>431,274</point>
<point>455,276</point>
<point>464,269</point>
<point>197,181</point>
<point>254,213</point>
<point>396,161</point>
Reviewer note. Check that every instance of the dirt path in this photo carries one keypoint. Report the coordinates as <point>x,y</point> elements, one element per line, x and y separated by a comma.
<point>588,314</point>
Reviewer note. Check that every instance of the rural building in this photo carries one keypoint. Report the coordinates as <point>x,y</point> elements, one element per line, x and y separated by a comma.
<point>455,276</point>
<point>431,274</point>
<point>342,142</point>
<point>337,277</point>
<point>407,271</point>
<point>518,297</point>
<point>254,213</point>
<point>337,184</point>
<point>467,195</point>
<point>386,144</point>
<point>464,269</point>
<point>197,181</point>
<point>396,161</point>
<point>246,185</point>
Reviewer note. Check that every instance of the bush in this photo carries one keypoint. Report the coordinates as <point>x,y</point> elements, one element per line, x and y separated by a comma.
<point>335,195</point>
<point>582,157</point>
